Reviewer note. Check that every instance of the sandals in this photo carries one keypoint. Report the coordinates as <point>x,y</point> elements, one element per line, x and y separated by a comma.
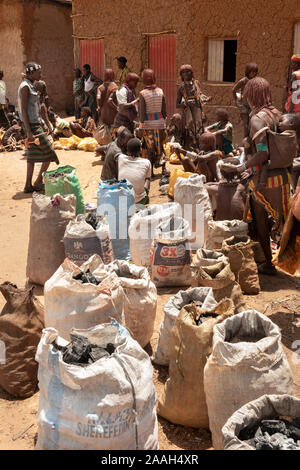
<point>267,269</point>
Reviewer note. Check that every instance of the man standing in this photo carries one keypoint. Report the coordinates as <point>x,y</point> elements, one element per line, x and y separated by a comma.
<point>114,149</point>
<point>127,102</point>
<point>122,61</point>
<point>39,149</point>
<point>91,84</point>
<point>3,118</point>
<point>293,102</point>
<point>107,112</point>
<point>136,170</point>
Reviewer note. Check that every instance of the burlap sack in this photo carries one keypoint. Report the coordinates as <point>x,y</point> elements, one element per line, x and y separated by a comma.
<point>265,407</point>
<point>222,229</point>
<point>21,325</point>
<point>49,219</point>
<point>247,361</point>
<point>205,257</point>
<point>239,251</point>
<point>183,400</point>
<point>222,281</point>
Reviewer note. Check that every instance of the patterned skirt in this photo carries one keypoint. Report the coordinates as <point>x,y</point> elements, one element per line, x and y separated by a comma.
<point>44,151</point>
<point>155,140</point>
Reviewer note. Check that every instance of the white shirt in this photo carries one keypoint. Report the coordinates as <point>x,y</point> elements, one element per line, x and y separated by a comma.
<point>88,84</point>
<point>121,95</point>
<point>135,170</point>
<point>2,92</point>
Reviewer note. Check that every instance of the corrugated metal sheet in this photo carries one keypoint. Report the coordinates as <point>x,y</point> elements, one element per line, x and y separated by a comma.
<point>162,59</point>
<point>297,39</point>
<point>92,52</point>
<point>215,60</point>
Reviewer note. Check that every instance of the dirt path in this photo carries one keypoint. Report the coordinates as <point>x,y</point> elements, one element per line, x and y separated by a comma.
<point>18,415</point>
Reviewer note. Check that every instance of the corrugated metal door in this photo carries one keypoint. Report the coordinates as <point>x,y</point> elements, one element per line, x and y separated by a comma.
<point>162,59</point>
<point>297,39</point>
<point>215,60</point>
<point>92,52</point>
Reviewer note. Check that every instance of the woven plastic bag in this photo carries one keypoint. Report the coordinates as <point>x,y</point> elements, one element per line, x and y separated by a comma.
<point>171,311</point>
<point>109,404</point>
<point>183,400</point>
<point>193,198</point>
<point>140,299</point>
<point>88,144</point>
<point>48,221</point>
<point>81,241</point>
<point>116,201</point>
<point>247,361</point>
<point>64,180</point>
<point>71,303</point>
<point>267,407</point>
<point>142,229</point>
<point>170,255</point>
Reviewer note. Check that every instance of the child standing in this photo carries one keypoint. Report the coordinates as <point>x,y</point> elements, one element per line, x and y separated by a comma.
<point>251,71</point>
<point>223,130</point>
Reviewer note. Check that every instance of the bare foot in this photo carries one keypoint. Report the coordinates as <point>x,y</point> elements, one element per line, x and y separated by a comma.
<point>29,189</point>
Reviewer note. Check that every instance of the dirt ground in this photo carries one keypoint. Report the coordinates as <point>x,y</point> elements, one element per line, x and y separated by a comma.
<point>279,299</point>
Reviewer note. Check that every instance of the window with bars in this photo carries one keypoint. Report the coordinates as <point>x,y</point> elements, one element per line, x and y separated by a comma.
<point>222,60</point>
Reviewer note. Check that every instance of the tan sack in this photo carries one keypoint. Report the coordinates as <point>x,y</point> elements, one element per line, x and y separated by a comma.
<point>222,229</point>
<point>239,251</point>
<point>48,221</point>
<point>265,407</point>
<point>222,281</point>
<point>183,400</point>
<point>140,299</point>
<point>247,361</point>
<point>21,325</point>
<point>70,303</point>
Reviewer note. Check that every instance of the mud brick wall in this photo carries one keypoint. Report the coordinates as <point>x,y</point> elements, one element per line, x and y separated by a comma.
<point>263,29</point>
<point>40,31</point>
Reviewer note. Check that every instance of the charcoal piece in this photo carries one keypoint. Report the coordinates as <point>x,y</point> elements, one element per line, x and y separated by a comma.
<point>250,442</point>
<point>273,426</point>
<point>164,180</point>
<point>97,353</point>
<point>293,431</point>
<point>110,348</point>
<point>58,347</point>
<point>86,278</point>
<point>78,350</point>
<point>93,219</point>
<point>247,433</point>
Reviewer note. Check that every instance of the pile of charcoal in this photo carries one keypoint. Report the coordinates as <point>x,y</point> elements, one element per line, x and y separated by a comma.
<point>93,219</point>
<point>80,352</point>
<point>275,434</point>
<point>87,278</point>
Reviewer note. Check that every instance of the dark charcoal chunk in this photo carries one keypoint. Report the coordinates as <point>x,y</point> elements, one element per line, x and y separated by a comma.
<point>87,278</point>
<point>273,426</point>
<point>110,348</point>
<point>78,350</point>
<point>97,353</point>
<point>93,219</point>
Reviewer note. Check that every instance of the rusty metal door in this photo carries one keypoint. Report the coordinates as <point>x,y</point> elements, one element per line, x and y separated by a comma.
<point>92,52</point>
<point>162,59</point>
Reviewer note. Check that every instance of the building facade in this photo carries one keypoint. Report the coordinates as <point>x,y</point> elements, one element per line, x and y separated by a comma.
<point>217,38</point>
<point>40,31</point>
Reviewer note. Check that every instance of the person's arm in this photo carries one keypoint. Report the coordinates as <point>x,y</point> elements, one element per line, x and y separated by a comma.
<point>142,108</point>
<point>235,89</point>
<point>164,107</point>
<point>24,103</point>
<point>44,116</point>
<point>148,179</point>
<point>209,156</point>
<point>112,100</point>
<point>99,98</point>
<point>211,127</point>
<point>179,103</point>
<point>291,107</point>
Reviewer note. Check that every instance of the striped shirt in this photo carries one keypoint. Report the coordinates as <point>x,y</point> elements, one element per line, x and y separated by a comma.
<point>153,100</point>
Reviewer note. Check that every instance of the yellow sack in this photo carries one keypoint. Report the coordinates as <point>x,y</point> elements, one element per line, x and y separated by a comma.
<point>89,144</point>
<point>70,142</point>
<point>167,149</point>
<point>173,178</point>
<point>175,160</point>
<point>57,145</point>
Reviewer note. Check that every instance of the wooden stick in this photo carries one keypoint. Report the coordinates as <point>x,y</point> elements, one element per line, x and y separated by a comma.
<point>17,436</point>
